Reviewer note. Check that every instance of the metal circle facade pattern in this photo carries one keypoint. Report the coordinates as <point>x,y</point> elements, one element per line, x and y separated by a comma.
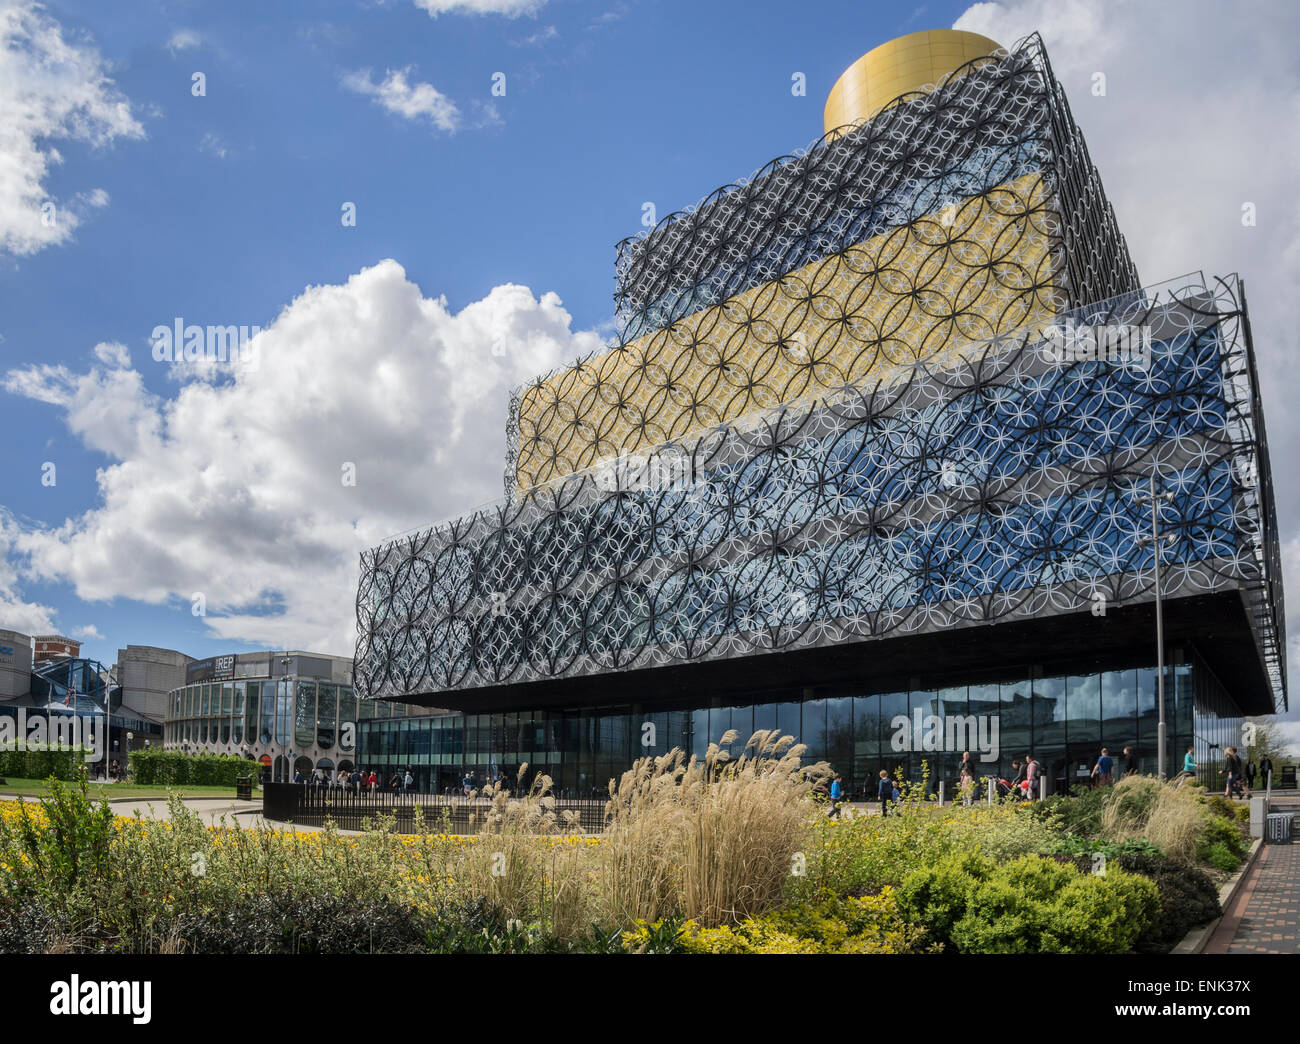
<point>847,356</point>
<point>1003,486</point>
<point>952,216</point>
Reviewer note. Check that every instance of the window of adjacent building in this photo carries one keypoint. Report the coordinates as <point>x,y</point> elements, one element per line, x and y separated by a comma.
<point>304,731</point>
<point>283,712</point>
<point>326,715</point>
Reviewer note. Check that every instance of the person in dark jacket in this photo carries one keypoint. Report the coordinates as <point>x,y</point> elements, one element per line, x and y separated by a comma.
<point>1130,762</point>
<point>1232,772</point>
<point>885,792</point>
<point>1265,768</point>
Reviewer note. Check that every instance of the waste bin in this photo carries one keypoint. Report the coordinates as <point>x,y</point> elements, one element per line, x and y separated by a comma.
<point>244,788</point>
<point>1277,828</point>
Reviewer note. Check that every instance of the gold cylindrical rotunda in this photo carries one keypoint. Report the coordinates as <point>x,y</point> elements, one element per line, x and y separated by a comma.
<point>909,63</point>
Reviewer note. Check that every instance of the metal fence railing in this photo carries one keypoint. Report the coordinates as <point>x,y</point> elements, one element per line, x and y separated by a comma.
<point>310,805</point>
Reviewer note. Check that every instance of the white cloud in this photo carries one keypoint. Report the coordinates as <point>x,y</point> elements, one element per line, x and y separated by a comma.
<point>16,613</point>
<point>214,145</point>
<point>183,40</point>
<point>88,633</point>
<point>235,489</point>
<point>410,101</point>
<point>538,38</point>
<point>509,8</point>
<point>1201,114</point>
<point>50,89</point>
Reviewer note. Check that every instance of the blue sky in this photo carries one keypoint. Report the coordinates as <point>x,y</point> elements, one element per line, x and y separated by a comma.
<point>225,208</point>
<point>227,205</point>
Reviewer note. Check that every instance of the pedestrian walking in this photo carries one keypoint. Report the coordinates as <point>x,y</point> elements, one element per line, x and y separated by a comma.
<point>837,795</point>
<point>1250,774</point>
<point>884,792</point>
<point>1103,773</point>
<point>1231,771</point>
<point>966,779</point>
<point>1265,769</point>
<point>1130,762</point>
<point>1032,774</point>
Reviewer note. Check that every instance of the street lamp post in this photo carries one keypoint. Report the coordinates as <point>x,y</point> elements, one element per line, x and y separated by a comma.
<point>1157,541</point>
<point>285,660</point>
<point>108,719</point>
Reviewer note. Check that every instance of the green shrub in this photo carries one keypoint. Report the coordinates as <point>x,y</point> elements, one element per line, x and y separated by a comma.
<point>298,924</point>
<point>57,847</point>
<point>936,896</point>
<point>173,767</point>
<point>1029,905</point>
<point>1221,806</point>
<point>1072,845</point>
<point>26,927</point>
<point>863,855</point>
<point>1079,812</point>
<point>1223,835</point>
<point>857,924</point>
<point>1221,856</point>
<point>1188,898</point>
<point>41,763</point>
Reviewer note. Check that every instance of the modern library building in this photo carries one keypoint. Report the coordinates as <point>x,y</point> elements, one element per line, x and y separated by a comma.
<point>894,453</point>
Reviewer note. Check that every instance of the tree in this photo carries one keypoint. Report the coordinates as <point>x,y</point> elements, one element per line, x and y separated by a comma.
<point>1265,739</point>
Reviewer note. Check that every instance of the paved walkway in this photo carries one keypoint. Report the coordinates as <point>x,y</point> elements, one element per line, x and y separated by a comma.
<point>210,809</point>
<point>1264,915</point>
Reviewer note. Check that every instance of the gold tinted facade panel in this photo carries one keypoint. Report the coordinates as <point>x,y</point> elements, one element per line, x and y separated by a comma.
<point>977,269</point>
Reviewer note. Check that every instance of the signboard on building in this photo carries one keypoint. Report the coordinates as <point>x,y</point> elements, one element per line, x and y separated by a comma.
<point>214,668</point>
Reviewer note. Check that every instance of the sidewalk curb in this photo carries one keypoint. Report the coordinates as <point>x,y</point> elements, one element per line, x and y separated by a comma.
<point>132,800</point>
<point>1197,939</point>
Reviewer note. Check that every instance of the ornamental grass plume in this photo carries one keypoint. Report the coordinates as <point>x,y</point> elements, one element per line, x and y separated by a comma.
<point>712,839</point>
<point>515,867</point>
<point>1143,807</point>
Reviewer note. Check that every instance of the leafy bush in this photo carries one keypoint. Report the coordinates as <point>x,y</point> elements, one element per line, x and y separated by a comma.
<point>155,766</point>
<point>1188,898</point>
<point>1079,812</point>
<point>1029,905</point>
<point>49,849</point>
<point>865,924</point>
<point>1221,806</point>
<point>1225,832</point>
<point>1221,856</point>
<point>1073,846</point>
<point>292,924</point>
<point>41,763</point>
<point>864,854</point>
<point>26,927</point>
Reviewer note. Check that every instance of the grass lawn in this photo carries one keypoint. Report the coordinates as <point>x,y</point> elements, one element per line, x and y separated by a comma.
<point>38,787</point>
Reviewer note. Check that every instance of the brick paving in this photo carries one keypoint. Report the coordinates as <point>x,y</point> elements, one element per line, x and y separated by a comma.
<point>1264,916</point>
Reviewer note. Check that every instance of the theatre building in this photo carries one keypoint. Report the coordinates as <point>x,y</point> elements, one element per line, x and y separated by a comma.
<point>871,462</point>
<point>289,711</point>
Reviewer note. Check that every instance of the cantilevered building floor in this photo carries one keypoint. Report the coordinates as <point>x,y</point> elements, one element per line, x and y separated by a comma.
<point>867,464</point>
